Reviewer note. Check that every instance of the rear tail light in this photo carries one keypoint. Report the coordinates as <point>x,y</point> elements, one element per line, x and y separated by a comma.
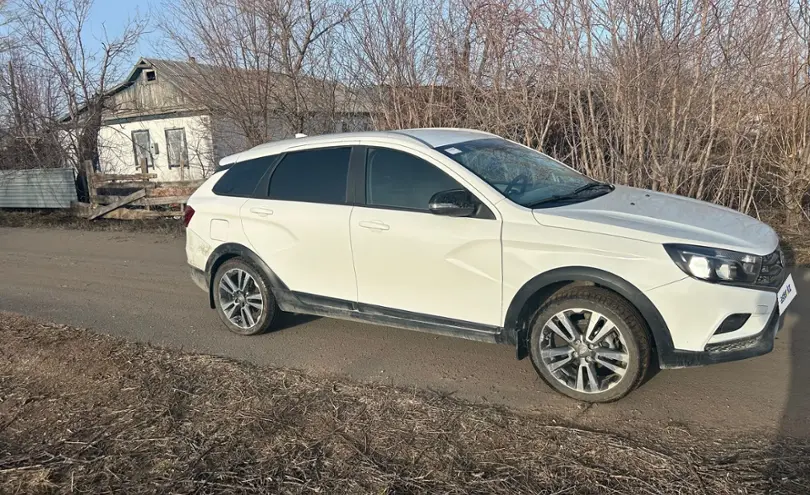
<point>187,214</point>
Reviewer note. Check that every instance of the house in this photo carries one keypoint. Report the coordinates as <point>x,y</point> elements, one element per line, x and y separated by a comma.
<point>162,117</point>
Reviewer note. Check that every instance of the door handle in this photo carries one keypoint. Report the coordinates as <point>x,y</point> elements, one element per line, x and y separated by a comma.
<point>262,212</point>
<point>374,225</point>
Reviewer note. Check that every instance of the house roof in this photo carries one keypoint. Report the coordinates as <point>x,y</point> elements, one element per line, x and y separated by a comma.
<point>187,75</point>
<point>127,82</point>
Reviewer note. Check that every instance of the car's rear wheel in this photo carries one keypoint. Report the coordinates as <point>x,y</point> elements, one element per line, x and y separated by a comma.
<point>590,344</point>
<point>243,298</point>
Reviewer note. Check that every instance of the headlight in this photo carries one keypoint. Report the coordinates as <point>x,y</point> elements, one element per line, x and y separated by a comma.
<point>716,265</point>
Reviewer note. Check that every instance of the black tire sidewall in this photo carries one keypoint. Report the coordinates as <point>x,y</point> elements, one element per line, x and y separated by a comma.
<point>624,317</point>
<point>269,309</point>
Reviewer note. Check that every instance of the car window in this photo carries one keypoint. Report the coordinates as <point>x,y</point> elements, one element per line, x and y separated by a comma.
<point>242,178</point>
<point>400,180</point>
<point>313,176</point>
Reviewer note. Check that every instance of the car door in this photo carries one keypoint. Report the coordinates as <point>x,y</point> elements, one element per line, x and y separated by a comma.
<point>300,224</point>
<point>407,258</point>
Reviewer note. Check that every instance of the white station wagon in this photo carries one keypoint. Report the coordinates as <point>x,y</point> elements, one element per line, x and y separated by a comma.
<point>463,233</point>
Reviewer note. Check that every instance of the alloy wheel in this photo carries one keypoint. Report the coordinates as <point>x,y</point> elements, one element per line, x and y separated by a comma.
<point>584,350</point>
<point>240,298</point>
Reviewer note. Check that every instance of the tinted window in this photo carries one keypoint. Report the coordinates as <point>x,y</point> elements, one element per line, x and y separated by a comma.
<point>313,176</point>
<point>241,178</point>
<point>397,179</point>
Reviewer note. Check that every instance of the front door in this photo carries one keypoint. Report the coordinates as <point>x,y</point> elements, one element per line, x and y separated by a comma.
<point>409,259</point>
<point>301,228</point>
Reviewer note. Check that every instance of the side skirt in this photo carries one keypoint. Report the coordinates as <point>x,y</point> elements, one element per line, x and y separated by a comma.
<point>298,302</point>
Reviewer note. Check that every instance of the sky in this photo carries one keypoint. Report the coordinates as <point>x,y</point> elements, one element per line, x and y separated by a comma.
<point>114,15</point>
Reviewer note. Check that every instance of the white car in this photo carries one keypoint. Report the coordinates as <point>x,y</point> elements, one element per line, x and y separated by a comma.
<point>463,233</point>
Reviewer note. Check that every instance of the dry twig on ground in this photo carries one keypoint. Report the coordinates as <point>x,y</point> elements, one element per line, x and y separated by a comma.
<point>87,413</point>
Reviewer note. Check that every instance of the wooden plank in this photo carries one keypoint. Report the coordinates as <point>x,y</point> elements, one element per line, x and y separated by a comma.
<point>171,191</point>
<point>118,204</point>
<point>129,185</point>
<point>182,183</point>
<point>128,214</point>
<point>103,178</point>
<point>166,200</point>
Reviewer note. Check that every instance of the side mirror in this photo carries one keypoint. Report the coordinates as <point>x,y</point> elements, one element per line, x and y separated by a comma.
<point>453,203</point>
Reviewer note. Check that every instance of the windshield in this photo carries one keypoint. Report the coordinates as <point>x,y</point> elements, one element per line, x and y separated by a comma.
<point>527,177</point>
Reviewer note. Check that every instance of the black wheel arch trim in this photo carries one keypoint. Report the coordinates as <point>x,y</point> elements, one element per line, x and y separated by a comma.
<point>655,322</point>
<point>229,250</point>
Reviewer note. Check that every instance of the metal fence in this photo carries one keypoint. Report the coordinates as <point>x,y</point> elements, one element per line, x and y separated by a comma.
<point>37,188</point>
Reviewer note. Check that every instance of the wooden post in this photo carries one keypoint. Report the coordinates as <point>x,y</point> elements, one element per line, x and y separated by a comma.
<point>145,170</point>
<point>182,178</point>
<point>91,190</point>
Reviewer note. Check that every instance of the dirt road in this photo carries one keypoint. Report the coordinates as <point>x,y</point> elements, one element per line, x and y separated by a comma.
<point>137,286</point>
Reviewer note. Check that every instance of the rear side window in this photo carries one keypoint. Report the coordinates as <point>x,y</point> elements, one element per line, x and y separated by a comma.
<point>400,180</point>
<point>312,176</point>
<point>242,178</point>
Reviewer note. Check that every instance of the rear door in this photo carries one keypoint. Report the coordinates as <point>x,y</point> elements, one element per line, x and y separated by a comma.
<point>409,259</point>
<point>299,224</point>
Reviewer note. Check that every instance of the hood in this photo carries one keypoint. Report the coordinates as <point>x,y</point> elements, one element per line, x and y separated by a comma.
<point>663,218</point>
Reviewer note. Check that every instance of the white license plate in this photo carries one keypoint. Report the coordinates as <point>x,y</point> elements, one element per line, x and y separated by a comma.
<point>786,294</point>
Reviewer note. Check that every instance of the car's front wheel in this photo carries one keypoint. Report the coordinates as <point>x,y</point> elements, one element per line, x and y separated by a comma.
<point>243,298</point>
<point>590,344</point>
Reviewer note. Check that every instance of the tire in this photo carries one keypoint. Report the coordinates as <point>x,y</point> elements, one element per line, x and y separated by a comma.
<point>606,361</point>
<point>245,317</point>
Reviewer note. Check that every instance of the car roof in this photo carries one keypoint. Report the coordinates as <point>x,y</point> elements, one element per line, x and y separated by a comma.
<point>442,136</point>
<point>429,137</point>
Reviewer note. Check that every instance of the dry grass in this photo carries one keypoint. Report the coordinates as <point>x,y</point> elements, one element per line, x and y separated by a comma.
<point>86,413</point>
<point>66,220</point>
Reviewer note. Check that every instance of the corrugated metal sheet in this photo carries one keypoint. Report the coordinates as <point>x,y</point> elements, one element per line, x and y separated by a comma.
<point>37,188</point>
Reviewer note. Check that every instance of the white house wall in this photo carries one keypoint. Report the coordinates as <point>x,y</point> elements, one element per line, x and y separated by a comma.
<point>117,153</point>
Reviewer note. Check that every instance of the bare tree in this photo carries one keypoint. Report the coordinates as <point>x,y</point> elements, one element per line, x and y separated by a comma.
<point>272,62</point>
<point>696,97</point>
<point>27,99</point>
<point>53,34</point>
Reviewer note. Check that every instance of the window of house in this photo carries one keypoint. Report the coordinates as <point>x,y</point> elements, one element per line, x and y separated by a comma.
<point>176,148</point>
<point>141,144</point>
<point>242,178</point>
<point>312,176</point>
<point>151,76</point>
<point>399,180</point>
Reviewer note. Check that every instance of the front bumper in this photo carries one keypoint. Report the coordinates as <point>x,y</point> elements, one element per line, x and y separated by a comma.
<point>735,350</point>
<point>692,311</point>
